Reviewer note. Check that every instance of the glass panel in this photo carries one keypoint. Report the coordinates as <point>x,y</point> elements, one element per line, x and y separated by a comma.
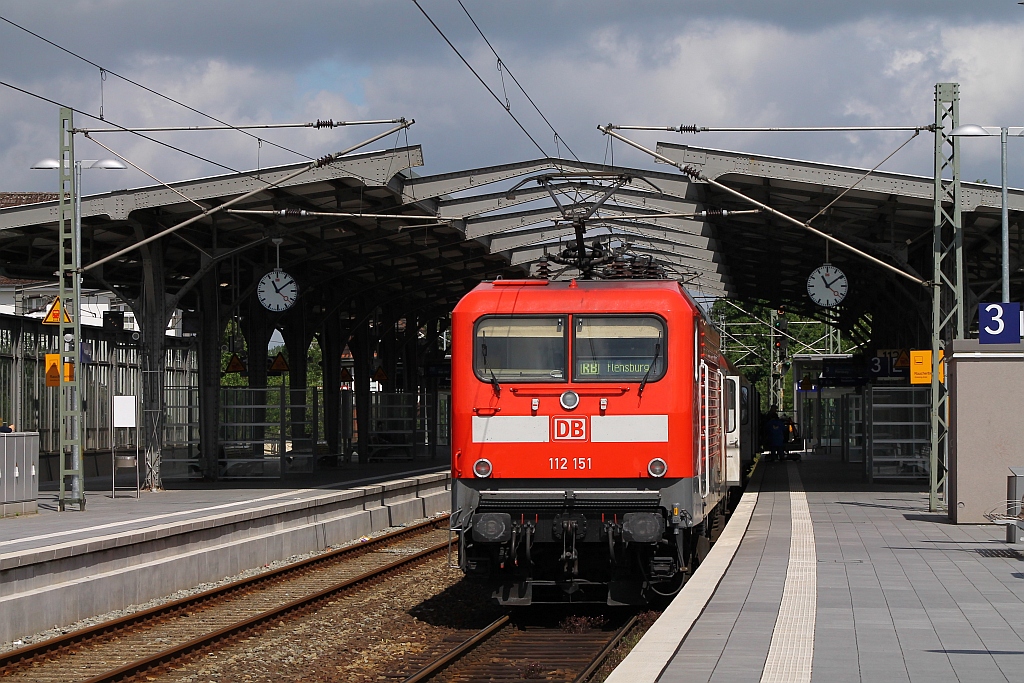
<point>619,348</point>
<point>521,349</point>
<point>731,384</point>
<point>744,405</point>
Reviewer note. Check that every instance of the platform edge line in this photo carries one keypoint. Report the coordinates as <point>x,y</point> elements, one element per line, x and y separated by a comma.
<point>648,660</point>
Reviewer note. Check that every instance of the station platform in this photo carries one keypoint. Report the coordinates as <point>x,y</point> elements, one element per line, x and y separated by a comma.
<point>59,567</point>
<point>819,576</point>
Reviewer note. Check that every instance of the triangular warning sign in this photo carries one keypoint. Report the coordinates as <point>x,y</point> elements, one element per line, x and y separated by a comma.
<point>380,375</point>
<point>279,364</point>
<point>346,376</point>
<point>903,361</point>
<point>235,364</point>
<point>52,316</point>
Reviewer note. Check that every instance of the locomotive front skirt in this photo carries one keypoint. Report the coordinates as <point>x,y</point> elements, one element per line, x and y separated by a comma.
<point>588,452</point>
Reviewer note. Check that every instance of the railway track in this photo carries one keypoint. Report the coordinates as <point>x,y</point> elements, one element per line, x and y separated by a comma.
<point>506,651</point>
<point>169,634</point>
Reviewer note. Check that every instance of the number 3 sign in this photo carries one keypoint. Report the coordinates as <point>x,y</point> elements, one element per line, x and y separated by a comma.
<point>999,323</point>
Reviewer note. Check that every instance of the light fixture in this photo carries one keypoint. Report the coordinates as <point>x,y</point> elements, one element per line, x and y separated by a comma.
<point>482,468</point>
<point>972,130</point>
<point>657,467</point>
<point>108,164</point>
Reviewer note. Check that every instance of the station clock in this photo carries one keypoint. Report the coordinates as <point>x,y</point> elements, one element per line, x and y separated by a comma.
<point>827,286</point>
<point>277,291</point>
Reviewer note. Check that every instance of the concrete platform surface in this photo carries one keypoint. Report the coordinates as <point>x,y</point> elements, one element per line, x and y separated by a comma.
<point>59,567</point>
<point>105,515</point>
<point>886,592</point>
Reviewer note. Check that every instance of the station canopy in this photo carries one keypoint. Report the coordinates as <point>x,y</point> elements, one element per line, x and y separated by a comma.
<point>421,242</point>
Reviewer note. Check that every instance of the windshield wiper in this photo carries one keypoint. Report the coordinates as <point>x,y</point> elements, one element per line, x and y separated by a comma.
<point>647,375</point>
<point>494,380</point>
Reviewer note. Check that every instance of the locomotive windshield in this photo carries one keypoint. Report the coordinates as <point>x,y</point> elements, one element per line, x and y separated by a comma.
<point>521,349</point>
<point>629,348</point>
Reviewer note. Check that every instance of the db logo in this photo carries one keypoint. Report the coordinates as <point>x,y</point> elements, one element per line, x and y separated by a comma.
<point>570,428</point>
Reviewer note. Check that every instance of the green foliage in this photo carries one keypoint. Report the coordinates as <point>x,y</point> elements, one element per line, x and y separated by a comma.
<point>746,341</point>
<point>234,342</point>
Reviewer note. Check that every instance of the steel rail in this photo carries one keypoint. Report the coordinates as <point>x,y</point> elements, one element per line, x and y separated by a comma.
<point>210,639</point>
<point>598,660</point>
<point>17,659</point>
<point>450,657</point>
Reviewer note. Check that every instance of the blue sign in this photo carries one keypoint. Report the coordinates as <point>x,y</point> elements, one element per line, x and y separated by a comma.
<point>999,323</point>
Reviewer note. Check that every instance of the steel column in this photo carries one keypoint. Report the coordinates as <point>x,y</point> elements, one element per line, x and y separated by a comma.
<point>947,276</point>
<point>70,332</point>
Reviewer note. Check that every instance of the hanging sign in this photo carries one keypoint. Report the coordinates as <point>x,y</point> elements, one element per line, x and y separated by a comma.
<point>279,364</point>
<point>380,375</point>
<point>52,316</point>
<point>921,367</point>
<point>999,323</point>
<point>235,364</point>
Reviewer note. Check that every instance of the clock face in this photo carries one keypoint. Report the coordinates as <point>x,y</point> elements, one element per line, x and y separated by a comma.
<point>827,286</point>
<point>277,291</point>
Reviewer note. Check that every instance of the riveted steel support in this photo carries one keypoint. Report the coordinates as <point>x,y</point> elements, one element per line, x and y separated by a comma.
<point>70,331</point>
<point>947,277</point>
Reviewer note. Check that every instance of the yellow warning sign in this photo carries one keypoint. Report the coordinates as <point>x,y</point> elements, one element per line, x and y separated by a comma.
<point>235,364</point>
<point>903,361</point>
<point>921,367</point>
<point>279,364</point>
<point>346,376</point>
<point>380,375</point>
<point>52,316</point>
<point>53,369</point>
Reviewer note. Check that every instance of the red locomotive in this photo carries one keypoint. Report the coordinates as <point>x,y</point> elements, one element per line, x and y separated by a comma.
<point>588,451</point>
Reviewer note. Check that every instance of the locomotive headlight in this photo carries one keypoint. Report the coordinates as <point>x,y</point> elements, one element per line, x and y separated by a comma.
<point>569,400</point>
<point>482,468</point>
<point>657,468</point>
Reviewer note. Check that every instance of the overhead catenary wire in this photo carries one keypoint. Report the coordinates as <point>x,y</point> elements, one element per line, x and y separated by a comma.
<point>319,123</point>
<point>146,88</point>
<point>772,129</point>
<point>502,64</point>
<point>323,161</point>
<point>253,176</point>
<point>142,170</point>
<point>480,78</point>
<point>694,173</point>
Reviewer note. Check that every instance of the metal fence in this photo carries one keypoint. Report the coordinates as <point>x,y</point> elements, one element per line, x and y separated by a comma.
<point>112,368</point>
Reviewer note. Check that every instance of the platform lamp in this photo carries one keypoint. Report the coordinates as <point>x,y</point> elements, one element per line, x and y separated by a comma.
<point>72,433</point>
<point>971,130</point>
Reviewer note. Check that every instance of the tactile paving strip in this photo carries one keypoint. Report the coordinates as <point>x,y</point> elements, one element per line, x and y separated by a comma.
<point>792,647</point>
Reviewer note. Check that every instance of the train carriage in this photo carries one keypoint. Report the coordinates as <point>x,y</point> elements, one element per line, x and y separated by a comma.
<point>589,452</point>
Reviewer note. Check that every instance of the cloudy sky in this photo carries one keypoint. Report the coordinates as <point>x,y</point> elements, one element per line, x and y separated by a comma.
<point>724,63</point>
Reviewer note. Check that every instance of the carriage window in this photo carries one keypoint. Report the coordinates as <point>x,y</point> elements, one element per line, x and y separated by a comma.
<point>619,348</point>
<point>731,404</point>
<point>744,405</point>
<point>521,349</point>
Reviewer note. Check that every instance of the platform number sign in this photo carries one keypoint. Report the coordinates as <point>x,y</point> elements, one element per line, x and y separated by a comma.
<point>999,323</point>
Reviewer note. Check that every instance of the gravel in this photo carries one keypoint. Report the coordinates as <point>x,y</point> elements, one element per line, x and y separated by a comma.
<point>184,593</point>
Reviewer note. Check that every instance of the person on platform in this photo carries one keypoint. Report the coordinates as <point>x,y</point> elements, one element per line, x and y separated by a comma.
<point>776,432</point>
<point>6,428</point>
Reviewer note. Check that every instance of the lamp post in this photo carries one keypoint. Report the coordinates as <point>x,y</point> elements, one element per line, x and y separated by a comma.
<point>970,130</point>
<point>72,424</point>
